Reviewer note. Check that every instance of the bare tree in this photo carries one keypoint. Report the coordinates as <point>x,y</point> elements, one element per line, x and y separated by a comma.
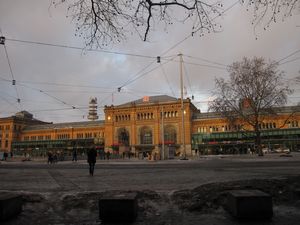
<point>102,22</point>
<point>266,12</point>
<point>252,93</point>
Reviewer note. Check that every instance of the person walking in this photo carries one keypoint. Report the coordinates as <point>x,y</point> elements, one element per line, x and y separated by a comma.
<point>107,155</point>
<point>50,157</point>
<point>5,155</point>
<point>92,155</point>
<point>74,154</point>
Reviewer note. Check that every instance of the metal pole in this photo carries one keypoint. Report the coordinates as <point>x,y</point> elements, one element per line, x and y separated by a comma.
<point>162,133</point>
<point>182,107</point>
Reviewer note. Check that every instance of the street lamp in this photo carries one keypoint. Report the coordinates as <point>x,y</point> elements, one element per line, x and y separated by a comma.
<point>182,107</point>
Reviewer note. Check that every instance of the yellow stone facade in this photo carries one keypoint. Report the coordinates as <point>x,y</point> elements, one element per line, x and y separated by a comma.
<point>134,126</point>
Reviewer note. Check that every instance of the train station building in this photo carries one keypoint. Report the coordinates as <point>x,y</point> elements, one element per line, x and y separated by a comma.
<point>137,127</point>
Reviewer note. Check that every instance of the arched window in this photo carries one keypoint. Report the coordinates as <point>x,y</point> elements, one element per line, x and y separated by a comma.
<point>123,137</point>
<point>145,135</point>
<point>170,134</point>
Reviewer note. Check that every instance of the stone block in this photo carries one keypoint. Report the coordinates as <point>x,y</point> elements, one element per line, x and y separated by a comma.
<point>297,192</point>
<point>10,205</point>
<point>249,204</point>
<point>118,207</point>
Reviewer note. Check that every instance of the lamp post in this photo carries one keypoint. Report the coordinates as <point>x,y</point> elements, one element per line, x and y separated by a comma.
<point>162,133</point>
<point>182,106</point>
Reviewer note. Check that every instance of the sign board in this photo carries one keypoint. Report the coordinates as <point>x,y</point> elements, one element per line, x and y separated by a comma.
<point>146,99</point>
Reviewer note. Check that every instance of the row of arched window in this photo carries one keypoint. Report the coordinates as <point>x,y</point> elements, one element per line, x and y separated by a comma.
<point>219,128</point>
<point>145,116</point>
<point>293,124</point>
<point>84,135</point>
<point>264,126</point>
<point>122,118</point>
<point>63,136</point>
<point>261,126</point>
<point>146,135</point>
<point>170,114</point>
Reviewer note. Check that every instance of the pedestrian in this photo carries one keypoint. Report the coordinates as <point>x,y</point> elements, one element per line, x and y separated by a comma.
<point>5,155</point>
<point>74,155</point>
<point>92,155</point>
<point>107,155</point>
<point>55,157</point>
<point>50,157</point>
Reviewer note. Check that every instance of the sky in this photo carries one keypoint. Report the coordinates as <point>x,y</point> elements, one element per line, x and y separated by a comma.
<point>56,83</point>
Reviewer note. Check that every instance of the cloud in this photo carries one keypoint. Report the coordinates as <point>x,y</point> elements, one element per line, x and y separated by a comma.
<point>73,76</point>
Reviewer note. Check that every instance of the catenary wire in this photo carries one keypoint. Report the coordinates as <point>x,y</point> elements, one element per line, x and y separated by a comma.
<point>205,60</point>
<point>166,77</point>
<point>79,48</point>
<point>187,77</point>
<point>51,96</point>
<point>12,75</point>
<point>190,35</point>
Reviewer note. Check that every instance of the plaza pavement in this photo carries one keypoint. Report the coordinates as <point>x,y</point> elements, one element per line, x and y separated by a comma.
<point>63,193</point>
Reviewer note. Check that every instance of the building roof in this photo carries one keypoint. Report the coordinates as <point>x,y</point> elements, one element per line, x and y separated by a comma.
<point>65,125</point>
<point>149,100</point>
<point>277,110</point>
<point>23,117</point>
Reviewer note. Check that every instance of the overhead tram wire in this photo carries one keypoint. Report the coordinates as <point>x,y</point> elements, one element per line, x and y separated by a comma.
<point>286,57</point>
<point>8,102</point>
<point>164,73</point>
<point>188,79</point>
<point>79,48</point>
<point>178,43</point>
<point>130,80</point>
<point>112,52</point>
<point>58,109</point>
<point>289,61</point>
<point>138,76</point>
<point>64,85</point>
<point>206,60</point>
<point>12,75</point>
<point>105,98</point>
<point>204,65</point>
<point>148,92</point>
<point>94,50</point>
<point>191,34</point>
<point>4,79</point>
<point>53,97</point>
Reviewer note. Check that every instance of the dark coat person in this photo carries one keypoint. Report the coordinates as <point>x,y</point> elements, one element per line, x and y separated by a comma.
<point>92,155</point>
<point>74,155</point>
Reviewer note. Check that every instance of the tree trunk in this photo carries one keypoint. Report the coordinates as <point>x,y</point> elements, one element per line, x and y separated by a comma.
<point>258,142</point>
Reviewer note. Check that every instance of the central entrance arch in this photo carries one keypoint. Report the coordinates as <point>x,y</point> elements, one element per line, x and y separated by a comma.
<point>146,136</point>
<point>170,134</point>
<point>123,136</point>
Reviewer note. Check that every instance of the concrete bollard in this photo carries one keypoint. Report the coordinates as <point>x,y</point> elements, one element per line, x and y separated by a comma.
<point>250,204</point>
<point>10,205</point>
<point>118,207</point>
